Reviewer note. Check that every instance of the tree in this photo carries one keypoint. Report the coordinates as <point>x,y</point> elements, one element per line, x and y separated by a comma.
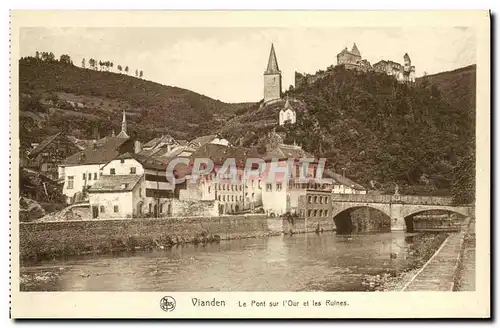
<point>119,68</point>
<point>65,59</point>
<point>140,74</point>
<point>83,63</point>
<point>92,63</point>
<point>136,73</point>
<point>126,69</point>
<point>37,55</point>
<point>464,183</point>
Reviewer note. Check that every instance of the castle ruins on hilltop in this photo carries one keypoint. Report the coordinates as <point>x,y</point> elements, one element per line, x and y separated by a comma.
<point>352,60</point>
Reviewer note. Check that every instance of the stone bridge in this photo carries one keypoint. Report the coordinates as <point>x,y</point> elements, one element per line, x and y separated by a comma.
<point>398,208</point>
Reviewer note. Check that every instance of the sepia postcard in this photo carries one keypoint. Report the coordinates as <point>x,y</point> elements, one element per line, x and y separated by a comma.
<point>250,164</point>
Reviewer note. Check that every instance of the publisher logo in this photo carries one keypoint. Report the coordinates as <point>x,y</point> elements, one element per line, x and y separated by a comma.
<point>167,303</point>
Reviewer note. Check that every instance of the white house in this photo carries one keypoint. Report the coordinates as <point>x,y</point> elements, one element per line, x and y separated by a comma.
<point>287,113</point>
<point>116,197</point>
<point>81,170</point>
<point>157,190</point>
<point>343,185</point>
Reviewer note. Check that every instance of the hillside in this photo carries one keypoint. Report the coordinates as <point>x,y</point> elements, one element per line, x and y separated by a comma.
<point>383,132</point>
<point>457,86</point>
<point>57,96</point>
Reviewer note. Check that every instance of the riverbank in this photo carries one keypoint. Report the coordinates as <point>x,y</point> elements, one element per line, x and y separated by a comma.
<point>466,274</point>
<point>424,246</point>
<point>442,270</point>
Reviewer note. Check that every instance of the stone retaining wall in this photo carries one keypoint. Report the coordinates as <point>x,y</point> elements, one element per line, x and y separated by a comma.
<point>50,239</point>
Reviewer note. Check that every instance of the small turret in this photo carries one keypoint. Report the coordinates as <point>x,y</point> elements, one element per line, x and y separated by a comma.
<point>355,50</point>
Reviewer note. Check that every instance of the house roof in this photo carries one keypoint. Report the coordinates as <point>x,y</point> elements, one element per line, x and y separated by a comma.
<point>147,162</point>
<point>219,154</point>
<point>339,178</point>
<point>105,151</point>
<point>115,183</point>
<point>200,141</point>
<point>154,142</point>
<point>282,151</point>
<point>45,142</point>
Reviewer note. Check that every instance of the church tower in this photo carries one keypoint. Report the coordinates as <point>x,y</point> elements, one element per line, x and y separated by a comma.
<point>123,132</point>
<point>272,78</point>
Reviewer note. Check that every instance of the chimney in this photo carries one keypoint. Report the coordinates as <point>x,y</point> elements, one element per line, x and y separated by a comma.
<point>137,146</point>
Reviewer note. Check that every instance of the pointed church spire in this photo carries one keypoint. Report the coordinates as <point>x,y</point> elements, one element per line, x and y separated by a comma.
<point>272,63</point>
<point>123,133</point>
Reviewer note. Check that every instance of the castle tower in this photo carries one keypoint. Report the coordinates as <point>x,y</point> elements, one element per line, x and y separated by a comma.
<point>123,132</point>
<point>355,50</point>
<point>272,78</point>
<point>407,61</point>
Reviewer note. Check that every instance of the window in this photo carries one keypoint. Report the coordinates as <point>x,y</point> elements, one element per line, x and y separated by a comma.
<point>309,199</point>
<point>232,198</point>
<point>161,208</point>
<point>223,187</point>
<point>150,208</point>
<point>95,176</point>
<point>132,170</point>
<point>208,189</point>
<point>326,212</point>
<point>116,209</point>
<point>224,198</point>
<point>219,198</point>
<point>140,192</point>
<point>90,176</point>
<point>309,213</point>
<point>278,187</point>
<point>269,187</point>
<point>315,212</point>
<point>100,174</point>
<point>122,161</point>
<point>101,209</point>
<point>315,199</point>
<point>112,171</point>
<point>84,176</point>
<point>321,200</point>
<point>71,181</point>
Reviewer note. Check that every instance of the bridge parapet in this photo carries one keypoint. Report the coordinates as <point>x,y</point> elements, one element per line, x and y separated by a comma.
<point>414,200</point>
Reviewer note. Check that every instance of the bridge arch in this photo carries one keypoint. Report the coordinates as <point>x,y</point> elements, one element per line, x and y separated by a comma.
<point>412,211</point>
<point>341,216</point>
<point>409,211</point>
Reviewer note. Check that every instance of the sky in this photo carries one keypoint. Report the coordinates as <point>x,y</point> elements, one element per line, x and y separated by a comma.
<point>228,63</point>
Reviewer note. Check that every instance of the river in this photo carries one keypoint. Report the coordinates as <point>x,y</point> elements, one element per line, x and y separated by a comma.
<point>301,262</point>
